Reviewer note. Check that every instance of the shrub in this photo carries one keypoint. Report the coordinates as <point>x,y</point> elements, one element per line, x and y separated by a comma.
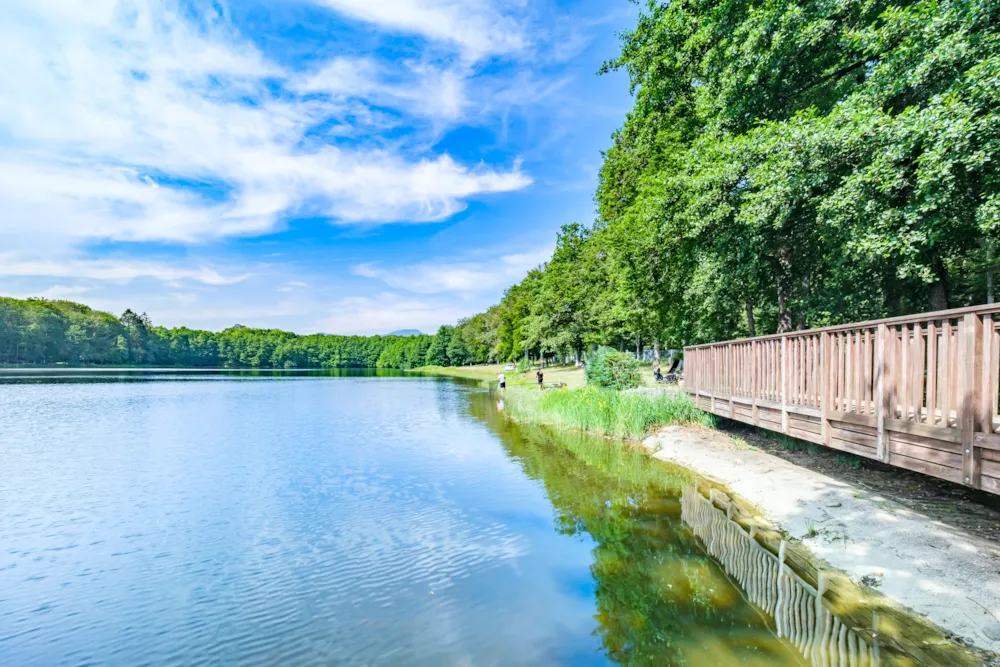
<point>610,369</point>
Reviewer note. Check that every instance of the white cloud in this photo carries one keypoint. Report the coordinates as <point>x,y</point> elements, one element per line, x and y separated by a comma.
<point>106,111</point>
<point>113,270</point>
<point>477,27</point>
<point>462,276</point>
<point>385,312</point>
<point>422,89</point>
<point>62,291</point>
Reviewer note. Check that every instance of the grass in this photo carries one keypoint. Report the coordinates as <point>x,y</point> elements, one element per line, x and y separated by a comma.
<point>849,461</point>
<point>604,412</point>
<point>572,377</point>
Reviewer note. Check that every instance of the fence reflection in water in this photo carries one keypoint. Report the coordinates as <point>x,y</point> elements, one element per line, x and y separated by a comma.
<point>799,611</point>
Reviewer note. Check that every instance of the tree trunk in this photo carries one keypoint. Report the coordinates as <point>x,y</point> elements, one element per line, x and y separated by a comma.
<point>800,317</point>
<point>656,353</point>
<point>989,272</point>
<point>784,312</point>
<point>939,295</point>
<point>638,347</point>
<point>751,325</point>
<point>939,289</point>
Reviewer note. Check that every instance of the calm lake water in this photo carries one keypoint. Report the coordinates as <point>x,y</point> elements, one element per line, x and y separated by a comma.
<point>297,519</point>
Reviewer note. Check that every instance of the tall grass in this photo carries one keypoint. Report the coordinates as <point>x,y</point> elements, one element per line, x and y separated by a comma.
<point>604,411</point>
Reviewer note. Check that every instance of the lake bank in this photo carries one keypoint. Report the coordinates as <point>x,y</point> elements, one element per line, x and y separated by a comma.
<point>571,376</point>
<point>941,572</point>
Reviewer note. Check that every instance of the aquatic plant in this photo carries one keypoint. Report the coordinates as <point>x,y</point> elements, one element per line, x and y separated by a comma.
<point>604,411</point>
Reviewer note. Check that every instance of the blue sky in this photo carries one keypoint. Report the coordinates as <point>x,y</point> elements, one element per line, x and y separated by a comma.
<point>341,166</point>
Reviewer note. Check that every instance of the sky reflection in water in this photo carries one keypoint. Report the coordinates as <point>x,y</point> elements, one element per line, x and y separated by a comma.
<point>340,520</point>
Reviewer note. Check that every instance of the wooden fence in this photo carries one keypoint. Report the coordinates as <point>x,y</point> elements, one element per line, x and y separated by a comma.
<point>918,392</point>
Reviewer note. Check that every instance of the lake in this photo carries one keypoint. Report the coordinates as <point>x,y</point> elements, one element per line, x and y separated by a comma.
<point>340,519</point>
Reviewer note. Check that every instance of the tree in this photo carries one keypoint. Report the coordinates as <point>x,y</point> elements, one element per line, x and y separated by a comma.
<point>437,351</point>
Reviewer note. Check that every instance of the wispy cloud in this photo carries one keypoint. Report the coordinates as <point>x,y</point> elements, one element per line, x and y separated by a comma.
<point>114,271</point>
<point>461,276</point>
<point>388,311</point>
<point>114,114</point>
<point>430,91</point>
<point>477,27</point>
<point>62,291</point>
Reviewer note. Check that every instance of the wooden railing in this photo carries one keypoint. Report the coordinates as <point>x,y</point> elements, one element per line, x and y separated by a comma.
<point>919,392</point>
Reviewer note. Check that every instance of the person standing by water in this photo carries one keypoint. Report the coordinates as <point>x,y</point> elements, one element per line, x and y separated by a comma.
<point>540,378</point>
<point>502,379</point>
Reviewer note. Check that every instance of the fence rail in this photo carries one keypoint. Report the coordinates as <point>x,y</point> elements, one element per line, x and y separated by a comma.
<point>918,392</point>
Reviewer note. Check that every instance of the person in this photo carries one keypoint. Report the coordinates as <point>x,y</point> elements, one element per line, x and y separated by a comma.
<point>676,361</point>
<point>503,380</point>
<point>540,377</point>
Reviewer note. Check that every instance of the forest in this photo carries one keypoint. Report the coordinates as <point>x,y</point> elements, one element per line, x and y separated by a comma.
<point>39,331</point>
<point>785,165</point>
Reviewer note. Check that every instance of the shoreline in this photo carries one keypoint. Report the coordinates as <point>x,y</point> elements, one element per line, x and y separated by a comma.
<point>939,572</point>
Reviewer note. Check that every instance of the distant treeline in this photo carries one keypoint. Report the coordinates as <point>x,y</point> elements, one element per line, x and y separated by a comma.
<point>38,331</point>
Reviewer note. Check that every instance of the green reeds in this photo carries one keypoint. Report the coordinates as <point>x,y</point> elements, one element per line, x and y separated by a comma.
<point>604,412</point>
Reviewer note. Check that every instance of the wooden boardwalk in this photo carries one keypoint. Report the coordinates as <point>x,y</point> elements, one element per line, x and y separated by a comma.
<point>919,392</point>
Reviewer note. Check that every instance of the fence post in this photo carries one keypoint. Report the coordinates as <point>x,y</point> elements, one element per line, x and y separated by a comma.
<point>755,372</point>
<point>694,370</point>
<point>784,384</point>
<point>881,396</point>
<point>824,346</point>
<point>986,388</point>
<point>970,335</point>
<point>731,357</point>
<point>715,375</point>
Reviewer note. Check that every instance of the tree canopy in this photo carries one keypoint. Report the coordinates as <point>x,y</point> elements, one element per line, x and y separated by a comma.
<point>38,331</point>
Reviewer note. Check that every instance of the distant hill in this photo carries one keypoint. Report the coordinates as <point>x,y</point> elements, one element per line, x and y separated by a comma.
<point>406,332</point>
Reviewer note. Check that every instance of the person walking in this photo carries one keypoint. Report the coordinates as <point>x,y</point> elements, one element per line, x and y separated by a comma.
<point>503,380</point>
<point>540,378</point>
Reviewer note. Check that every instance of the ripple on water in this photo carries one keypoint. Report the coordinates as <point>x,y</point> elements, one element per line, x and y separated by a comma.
<point>354,521</point>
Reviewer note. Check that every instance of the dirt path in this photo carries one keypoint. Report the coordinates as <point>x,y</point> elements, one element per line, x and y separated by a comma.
<point>944,571</point>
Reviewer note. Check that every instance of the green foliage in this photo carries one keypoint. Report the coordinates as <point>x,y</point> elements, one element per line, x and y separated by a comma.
<point>37,331</point>
<point>849,461</point>
<point>610,369</point>
<point>604,411</point>
<point>437,351</point>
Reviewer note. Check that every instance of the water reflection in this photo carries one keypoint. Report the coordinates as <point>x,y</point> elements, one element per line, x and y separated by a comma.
<point>799,610</point>
<point>660,598</point>
<point>351,521</point>
<point>96,374</point>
